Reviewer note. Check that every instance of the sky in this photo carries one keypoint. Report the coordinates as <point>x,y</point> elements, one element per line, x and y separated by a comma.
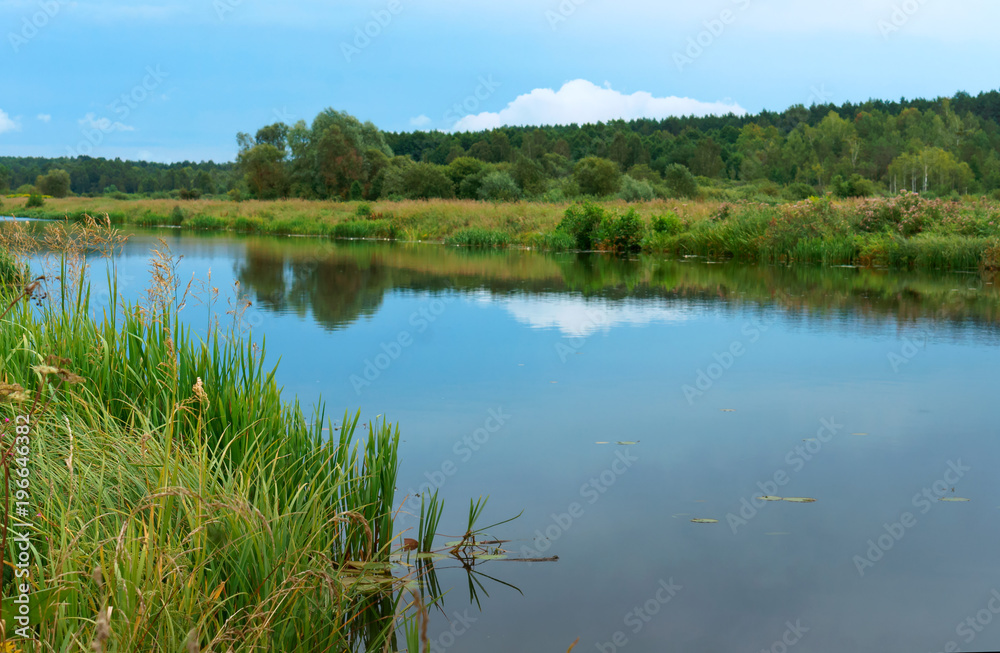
<point>174,80</point>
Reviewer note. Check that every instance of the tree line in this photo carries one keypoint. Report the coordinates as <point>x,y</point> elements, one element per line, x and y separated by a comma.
<point>937,147</point>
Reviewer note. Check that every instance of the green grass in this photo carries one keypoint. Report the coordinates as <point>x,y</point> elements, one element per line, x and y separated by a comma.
<point>174,484</point>
<point>366,229</point>
<point>479,237</point>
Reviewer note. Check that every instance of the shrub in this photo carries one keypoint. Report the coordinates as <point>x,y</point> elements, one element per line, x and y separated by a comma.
<point>177,215</point>
<point>621,234</point>
<point>580,222</point>
<point>597,176</point>
<point>635,190</point>
<point>364,210</point>
<point>34,201</point>
<point>499,186</point>
<point>799,191</point>
<point>356,191</point>
<point>668,224</point>
<point>680,181</point>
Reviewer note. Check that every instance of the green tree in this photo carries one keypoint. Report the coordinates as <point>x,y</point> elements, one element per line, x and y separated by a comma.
<point>263,169</point>
<point>680,181</point>
<point>417,181</point>
<point>499,186</point>
<point>597,176</point>
<point>56,183</point>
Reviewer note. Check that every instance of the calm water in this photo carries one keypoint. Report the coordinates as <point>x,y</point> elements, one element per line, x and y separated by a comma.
<point>873,392</point>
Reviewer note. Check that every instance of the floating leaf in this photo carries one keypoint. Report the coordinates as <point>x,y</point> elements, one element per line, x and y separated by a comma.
<point>810,440</point>
<point>729,410</point>
<point>628,442</point>
<point>602,443</point>
<point>953,499</point>
<point>410,544</point>
<point>799,500</point>
<point>492,556</point>
<point>705,521</point>
<point>770,498</point>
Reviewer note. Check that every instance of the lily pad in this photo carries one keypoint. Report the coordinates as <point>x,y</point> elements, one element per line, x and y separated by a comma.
<point>955,499</point>
<point>770,498</point>
<point>799,500</point>
<point>705,521</point>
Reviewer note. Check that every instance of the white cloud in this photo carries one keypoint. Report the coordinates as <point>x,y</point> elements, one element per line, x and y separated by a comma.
<point>8,124</point>
<point>576,317</point>
<point>44,117</point>
<point>91,121</point>
<point>420,121</point>
<point>581,102</point>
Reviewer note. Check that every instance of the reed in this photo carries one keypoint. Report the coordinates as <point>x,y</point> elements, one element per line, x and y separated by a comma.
<point>178,501</point>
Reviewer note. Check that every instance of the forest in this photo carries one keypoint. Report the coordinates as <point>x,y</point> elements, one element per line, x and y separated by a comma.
<point>940,148</point>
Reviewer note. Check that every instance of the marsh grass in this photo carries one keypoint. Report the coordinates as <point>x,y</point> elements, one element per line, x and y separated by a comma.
<point>178,502</point>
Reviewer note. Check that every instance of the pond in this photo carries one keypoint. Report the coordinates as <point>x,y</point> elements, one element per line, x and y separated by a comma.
<point>519,375</point>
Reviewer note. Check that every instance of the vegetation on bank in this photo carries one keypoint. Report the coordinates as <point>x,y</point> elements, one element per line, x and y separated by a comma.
<point>176,500</point>
<point>904,230</point>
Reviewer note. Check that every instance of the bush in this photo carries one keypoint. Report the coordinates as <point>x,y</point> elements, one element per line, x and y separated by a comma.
<point>597,176</point>
<point>184,194</point>
<point>799,191</point>
<point>177,215</point>
<point>580,222</point>
<point>668,224</point>
<point>635,190</point>
<point>499,186</point>
<point>680,181</point>
<point>364,210</point>
<point>34,201</point>
<point>856,186</point>
<point>356,191</point>
<point>621,234</point>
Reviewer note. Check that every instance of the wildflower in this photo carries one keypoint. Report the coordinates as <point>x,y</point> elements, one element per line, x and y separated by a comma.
<point>45,370</point>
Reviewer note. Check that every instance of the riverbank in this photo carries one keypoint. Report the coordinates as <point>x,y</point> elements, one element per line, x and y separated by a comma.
<point>171,498</point>
<point>903,231</point>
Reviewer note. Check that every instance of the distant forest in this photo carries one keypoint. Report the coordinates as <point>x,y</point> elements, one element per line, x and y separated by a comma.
<point>943,147</point>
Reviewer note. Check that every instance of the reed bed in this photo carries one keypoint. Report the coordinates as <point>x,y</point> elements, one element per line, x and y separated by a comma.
<point>177,502</point>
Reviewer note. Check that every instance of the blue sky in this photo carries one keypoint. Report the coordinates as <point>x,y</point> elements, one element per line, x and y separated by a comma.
<point>175,80</point>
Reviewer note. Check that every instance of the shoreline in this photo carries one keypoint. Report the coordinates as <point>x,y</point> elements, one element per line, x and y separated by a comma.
<point>903,231</point>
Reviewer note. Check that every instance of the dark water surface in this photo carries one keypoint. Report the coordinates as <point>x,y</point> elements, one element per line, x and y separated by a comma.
<point>505,369</point>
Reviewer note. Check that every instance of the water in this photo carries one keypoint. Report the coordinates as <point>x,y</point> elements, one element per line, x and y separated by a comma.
<point>505,369</point>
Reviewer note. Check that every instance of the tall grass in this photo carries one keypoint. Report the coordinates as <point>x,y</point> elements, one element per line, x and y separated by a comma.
<point>178,502</point>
